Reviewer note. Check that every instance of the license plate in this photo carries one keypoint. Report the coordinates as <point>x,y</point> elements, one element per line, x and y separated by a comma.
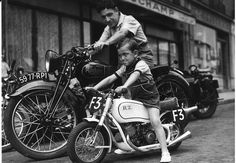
<point>32,77</point>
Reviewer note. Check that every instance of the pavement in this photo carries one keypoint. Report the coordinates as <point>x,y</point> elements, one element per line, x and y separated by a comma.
<point>226,97</point>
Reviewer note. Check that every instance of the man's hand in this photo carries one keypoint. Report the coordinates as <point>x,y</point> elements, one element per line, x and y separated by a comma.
<point>99,45</point>
<point>120,89</point>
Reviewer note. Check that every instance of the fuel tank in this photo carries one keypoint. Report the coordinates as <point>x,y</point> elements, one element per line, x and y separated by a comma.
<point>126,110</point>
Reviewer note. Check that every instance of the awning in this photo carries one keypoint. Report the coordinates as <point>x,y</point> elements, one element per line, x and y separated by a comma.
<point>163,10</point>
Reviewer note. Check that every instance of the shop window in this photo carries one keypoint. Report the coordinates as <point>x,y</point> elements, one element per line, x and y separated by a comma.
<point>86,32</point>
<point>153,45</point>
<point>164,51</point>
<point>207,51</point>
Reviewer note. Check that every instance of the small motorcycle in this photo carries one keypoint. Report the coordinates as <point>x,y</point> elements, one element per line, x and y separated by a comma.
<point>124,123</point>
<point>204,91</point>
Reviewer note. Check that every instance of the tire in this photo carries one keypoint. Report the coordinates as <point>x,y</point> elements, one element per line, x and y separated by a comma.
<point>90,154</point>
<point>171,86</point>
<point>42,137</point>
<point>6,145</point>
<point>177,129</point>
<point>206,110</point>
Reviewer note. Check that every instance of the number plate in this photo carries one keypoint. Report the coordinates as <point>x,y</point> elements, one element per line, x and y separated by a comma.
<point>32,77</point>
<point>178,115</point>
<point>96,103</point>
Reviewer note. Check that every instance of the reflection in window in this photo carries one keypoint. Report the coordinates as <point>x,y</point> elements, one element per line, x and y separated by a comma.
<point>153,46</point>
<point>163,52</point>
<point>206,55</point>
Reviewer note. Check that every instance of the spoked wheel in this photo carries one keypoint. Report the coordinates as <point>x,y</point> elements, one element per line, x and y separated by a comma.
<point>170,88</point>
<point>6,145</point>
<point>44,134</point>
<point>84,146</point>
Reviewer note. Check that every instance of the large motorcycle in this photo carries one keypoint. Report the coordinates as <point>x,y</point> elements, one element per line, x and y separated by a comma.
<point>124,123</point>
<point>204,91</point>
<point>50,108</point>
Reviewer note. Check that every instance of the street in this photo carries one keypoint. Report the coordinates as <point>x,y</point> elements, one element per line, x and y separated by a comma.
<point>212,141</point>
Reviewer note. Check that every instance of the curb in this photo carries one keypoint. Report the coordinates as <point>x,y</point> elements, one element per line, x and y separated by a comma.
<point>226,101</point>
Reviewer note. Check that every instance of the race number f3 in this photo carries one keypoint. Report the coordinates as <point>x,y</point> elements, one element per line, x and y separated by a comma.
<point>95,103</point>
<point>178,115</point>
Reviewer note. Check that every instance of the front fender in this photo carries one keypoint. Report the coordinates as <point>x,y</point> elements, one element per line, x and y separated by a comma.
<point>108,131</point>
<point>39,84</point>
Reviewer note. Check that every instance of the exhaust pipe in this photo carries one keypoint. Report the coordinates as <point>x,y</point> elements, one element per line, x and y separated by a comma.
<point>190,110</point>
<point>146,148</point>
<point>186,135</point>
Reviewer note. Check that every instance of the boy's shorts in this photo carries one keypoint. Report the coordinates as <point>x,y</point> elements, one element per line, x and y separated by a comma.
<point>147,94</point>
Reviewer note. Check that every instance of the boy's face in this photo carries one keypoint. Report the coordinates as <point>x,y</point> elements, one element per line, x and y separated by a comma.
<point>110,17</point>
<point>126,56</point>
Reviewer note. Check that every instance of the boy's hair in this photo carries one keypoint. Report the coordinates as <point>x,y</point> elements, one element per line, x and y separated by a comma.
<point>103,4</point>
<point>132,44</point>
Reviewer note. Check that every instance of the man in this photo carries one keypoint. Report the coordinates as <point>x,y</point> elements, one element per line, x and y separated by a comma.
<point>120,26</point>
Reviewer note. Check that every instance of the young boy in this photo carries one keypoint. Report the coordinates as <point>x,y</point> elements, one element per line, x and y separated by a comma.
<point>137,78</point>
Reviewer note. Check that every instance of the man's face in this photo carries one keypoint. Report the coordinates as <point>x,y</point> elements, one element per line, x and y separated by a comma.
<point>126,56</point>
<point>110,17</point>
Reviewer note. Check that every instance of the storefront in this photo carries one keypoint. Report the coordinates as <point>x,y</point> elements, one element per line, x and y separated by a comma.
<point>175,31</point>
<point>211,48</point>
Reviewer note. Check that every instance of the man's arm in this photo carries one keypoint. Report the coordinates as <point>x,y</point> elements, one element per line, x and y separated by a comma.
<point>119,35</point>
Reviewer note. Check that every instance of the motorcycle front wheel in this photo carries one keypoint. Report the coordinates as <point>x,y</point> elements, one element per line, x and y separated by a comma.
<point>44,134</point>
<point>84,146</point>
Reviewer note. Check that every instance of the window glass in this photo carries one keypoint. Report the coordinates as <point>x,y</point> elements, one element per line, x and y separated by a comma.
<point>152,42</point>
<point>87,34</point>
<point>163,52</point>
<point>206,54</point>
<point>173,52</point>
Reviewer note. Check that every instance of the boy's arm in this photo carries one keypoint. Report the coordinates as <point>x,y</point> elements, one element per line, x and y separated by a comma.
<point>108,80</point>
<point>133,77</point>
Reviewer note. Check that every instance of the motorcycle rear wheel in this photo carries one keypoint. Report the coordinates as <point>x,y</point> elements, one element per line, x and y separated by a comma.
<point>207,110</point>
<point>170,86</point>
<point>177,130</point>
<point>80,146</point>
<point>42,137</point>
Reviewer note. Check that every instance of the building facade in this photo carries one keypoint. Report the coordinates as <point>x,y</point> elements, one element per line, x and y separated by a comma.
<point>192,32</point>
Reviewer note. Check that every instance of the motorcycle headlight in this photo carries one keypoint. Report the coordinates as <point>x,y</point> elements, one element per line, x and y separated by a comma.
<point>52,61</point>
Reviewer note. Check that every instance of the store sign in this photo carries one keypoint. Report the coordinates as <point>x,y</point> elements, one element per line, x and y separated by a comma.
<point>163,10</point>
<point>211,19</point>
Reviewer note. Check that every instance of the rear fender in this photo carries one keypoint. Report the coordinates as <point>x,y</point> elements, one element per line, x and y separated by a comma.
<point>91,120</point>
<point>39,84</point>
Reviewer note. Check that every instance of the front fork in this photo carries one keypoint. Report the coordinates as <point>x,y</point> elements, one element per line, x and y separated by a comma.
<point>108,105</point>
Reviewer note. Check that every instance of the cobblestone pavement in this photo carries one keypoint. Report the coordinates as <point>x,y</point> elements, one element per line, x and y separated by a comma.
<point>212,141</point>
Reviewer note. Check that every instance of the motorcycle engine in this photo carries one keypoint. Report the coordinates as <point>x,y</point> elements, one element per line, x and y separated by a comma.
<point>140,134</point>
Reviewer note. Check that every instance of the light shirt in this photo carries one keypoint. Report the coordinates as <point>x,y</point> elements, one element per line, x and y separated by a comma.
<point>126,22</point>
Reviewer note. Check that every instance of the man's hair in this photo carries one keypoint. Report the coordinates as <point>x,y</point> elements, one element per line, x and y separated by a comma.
<point>132,44</point>
<point>103,4</point>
